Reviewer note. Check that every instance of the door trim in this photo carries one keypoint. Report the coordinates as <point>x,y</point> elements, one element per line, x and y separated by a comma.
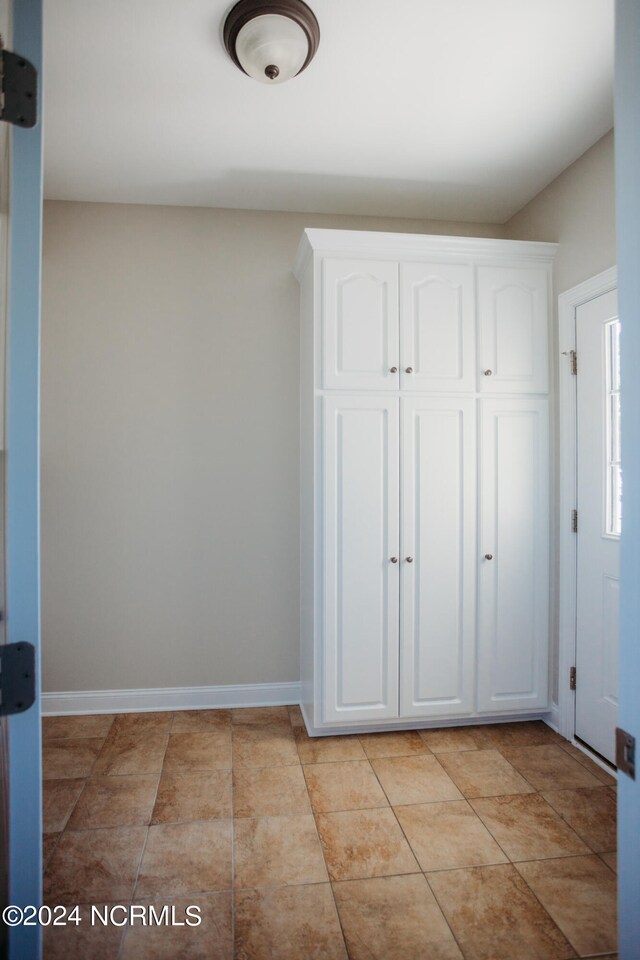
<point>568,302</point>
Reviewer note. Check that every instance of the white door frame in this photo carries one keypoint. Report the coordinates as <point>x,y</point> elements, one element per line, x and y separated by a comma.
<point>568,302</point>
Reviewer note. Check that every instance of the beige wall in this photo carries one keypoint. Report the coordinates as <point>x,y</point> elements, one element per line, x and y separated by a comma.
<point>577,211</point>
<point>169,443</point>
<point>169,427</point>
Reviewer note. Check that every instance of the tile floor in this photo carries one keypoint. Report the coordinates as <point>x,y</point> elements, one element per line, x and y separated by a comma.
<point>480,843</point>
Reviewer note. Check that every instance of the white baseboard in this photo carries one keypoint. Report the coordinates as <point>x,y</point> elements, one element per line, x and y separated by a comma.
<point>169,698</point>
<point>553,717</point>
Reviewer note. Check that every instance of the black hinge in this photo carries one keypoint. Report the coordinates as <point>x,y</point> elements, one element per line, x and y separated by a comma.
<point>18,89</point>
<point>574,521</point>
<point>626,753</point>
<point>572,678</point>
<point>17,677</point>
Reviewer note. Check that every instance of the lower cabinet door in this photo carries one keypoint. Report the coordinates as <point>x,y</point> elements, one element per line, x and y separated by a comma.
<point>438,574</point>
<point>361,541</point>
<point>513,574</point>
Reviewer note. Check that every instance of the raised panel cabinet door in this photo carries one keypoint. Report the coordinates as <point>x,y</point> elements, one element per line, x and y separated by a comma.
<point>361,343</point>
<point>513,555</point>
<point>438,573</point>
<point>361,558</point>
<point>513,350</point>
<point>437,327</point>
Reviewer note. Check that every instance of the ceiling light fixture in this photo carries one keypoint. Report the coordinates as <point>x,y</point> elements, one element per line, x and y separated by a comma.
<point>271,41</point>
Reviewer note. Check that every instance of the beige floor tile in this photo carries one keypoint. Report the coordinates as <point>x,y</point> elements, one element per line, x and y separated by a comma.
<point>522,733</point>
<point>611,860</point>
<point>269,792</point>
<point>448,835</point>
<point>448,739</point>
<point>580,895</point>
<point>395,918</point>
<point>182,858</point>
<point>364,843</point>
<point>49,841</point>
<point>591,811</point>
<point>204,795</point>
<point>264,746</point>
<point>94,865</point>
<point>494,915</point>
<point>328,749</point>
<point>402,744</point>
<point>483,773</point>
<point>549,767</point>
<point>59,797</point>
<point>140,723</point>
<point>527,828</point>
<point>115,802</point>
<point>193,752</point>
<point>199,721</point>
<point>261,716</point>
<point>288,923</point>
<point>351,785</point>
<point>276,851</point>
<point>211,940</point>
<point>415,780</point>
<point>92,727</point>
<point>602,775</point>
<point>295,716</point>
<point>69,759</point>
<point>83,941</point>
<point>131,753</point>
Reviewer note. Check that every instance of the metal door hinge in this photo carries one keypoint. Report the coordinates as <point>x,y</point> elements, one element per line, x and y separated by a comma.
<point>18,89</point>
<point>573,360</point>
<point>572,678</point>
<point>574,521</point>
<point>17,677</point>
<point>626,753</point>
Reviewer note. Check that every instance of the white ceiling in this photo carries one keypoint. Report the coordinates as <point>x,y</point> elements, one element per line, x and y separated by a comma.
<point>453,109</point>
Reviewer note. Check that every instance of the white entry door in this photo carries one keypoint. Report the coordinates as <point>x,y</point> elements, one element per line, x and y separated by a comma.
<point>599,521</point>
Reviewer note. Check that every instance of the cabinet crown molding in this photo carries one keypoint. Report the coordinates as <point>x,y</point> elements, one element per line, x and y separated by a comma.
<point>414,246</point>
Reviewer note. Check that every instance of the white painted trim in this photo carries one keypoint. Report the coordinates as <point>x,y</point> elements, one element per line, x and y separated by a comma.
<point>568,302</point>
<point>413,246</point>
<point>415,723</point>
<point>552,717</point>
<point>169,698</point>
<point>595,758</point>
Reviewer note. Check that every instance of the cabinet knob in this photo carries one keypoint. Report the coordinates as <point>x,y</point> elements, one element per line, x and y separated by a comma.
<point>488,373</point>
<point>394,559</point>
<point>409,370</point>
<point>488,556</point>
<point>393,370</point>
<point>409,559</point>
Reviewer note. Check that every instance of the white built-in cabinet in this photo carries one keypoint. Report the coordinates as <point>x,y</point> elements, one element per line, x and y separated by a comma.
<point>424,479</point>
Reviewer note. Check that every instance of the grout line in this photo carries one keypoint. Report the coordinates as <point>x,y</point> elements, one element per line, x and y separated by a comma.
<point>449,927</point>
<point>319,763</point>
<point>535,895</point>
<point>146,837</point>
<point>324,859</point>
<point>233,849</point>
<point>446,919</point>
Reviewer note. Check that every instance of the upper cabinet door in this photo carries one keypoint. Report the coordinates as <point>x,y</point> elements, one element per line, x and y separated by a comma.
<point>360,348</point>
<point>437,327</point>
<point>513,350</point>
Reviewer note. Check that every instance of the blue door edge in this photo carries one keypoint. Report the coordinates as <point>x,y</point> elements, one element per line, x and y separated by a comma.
<point>627,137</point>
<point>23,482</point>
